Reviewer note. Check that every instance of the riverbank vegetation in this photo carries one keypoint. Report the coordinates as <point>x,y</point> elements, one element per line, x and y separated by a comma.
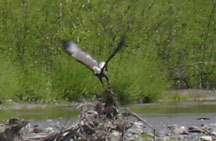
<point>169,44</point>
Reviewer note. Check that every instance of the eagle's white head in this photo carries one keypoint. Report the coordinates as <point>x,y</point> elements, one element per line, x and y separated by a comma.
<point>96,70</point>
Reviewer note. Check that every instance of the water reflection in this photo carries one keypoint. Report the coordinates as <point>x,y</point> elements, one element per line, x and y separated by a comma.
<point>39,113</point>
<point>146,110</point>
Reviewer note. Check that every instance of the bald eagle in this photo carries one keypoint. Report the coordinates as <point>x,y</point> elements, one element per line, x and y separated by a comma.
<point>99,69</point>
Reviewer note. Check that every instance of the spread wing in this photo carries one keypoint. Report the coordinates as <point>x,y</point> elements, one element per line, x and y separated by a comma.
<point>120,44</point>
<point>81,56</point>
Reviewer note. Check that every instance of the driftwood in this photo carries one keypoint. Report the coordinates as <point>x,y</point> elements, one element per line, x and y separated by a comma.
<point>10,130</point>
<point>97,122</point>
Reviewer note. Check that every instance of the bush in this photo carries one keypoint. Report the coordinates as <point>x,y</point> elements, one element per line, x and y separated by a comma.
<point>166,41</point>
<point>72,81</point>
<point>9,78</point>
<point>137,77</point>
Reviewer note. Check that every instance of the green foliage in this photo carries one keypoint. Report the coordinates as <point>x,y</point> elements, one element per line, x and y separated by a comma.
<point>9,78</point>
<point>166,41</point>
<point>137,77</point>
<point>35,85</point>
<point>72,81</point>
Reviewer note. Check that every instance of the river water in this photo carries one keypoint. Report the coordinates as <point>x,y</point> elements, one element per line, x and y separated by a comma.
<point>158,115</point>
<point>161,116</point>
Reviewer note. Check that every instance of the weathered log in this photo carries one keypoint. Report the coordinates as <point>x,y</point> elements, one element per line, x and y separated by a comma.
<point>10,130</point>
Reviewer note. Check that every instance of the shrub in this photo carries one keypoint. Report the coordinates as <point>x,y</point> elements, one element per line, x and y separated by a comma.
<point>9,78</point>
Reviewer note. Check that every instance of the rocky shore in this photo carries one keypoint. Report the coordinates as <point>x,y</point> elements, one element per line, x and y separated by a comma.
<point>100,122</point>
<point>139,132</point>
